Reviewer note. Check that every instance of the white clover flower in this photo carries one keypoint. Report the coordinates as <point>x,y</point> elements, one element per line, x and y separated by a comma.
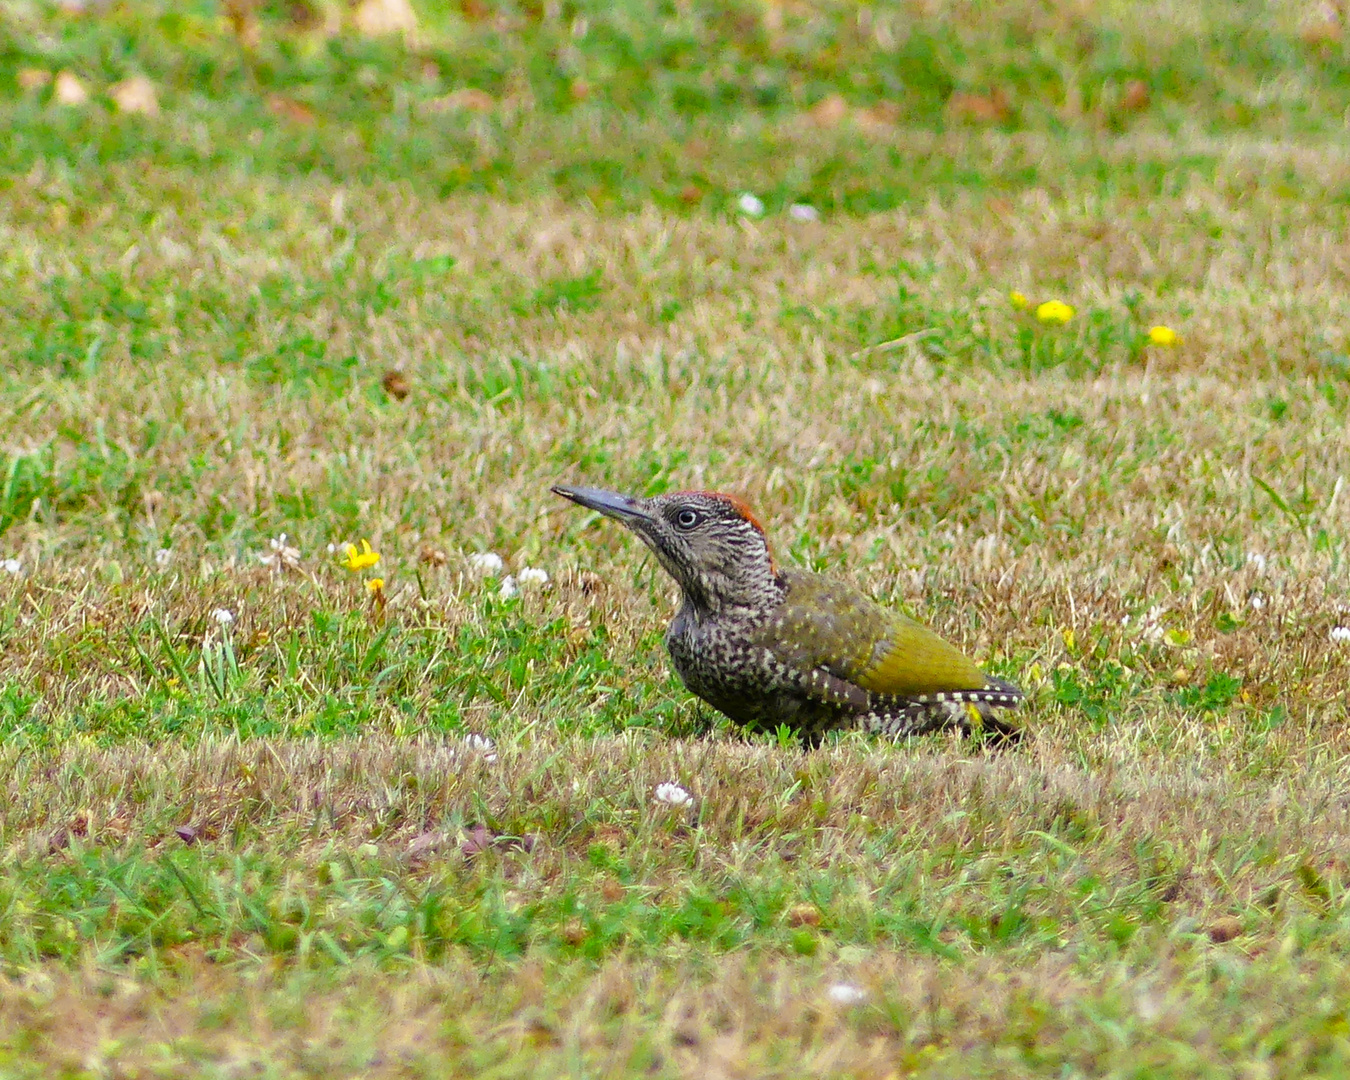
<point>1340,634</point>
<point>223,616</point>
<point>532,575</point>
<point>481,744</point>
<point>750,204</point>
<point>485,563</point>
<point>803,212</point>
<point>11,566</point>
<point>332,549</point>
<point>163,556</point>
<point>281,556</point>
<point>1257,602</point>
<point>673,795</point>
<point>509,588</point>
<point>846,994</point>
<point>1256,559</point>
<point>1151,629</point>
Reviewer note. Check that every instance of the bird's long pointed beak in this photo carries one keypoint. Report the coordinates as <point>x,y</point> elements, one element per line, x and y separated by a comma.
<point>622,508</point>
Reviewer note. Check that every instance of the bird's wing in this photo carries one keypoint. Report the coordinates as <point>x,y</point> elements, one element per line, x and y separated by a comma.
<point>853,642</point>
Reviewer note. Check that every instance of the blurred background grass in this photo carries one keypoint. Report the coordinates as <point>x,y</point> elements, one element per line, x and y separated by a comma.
<point>683,105</point>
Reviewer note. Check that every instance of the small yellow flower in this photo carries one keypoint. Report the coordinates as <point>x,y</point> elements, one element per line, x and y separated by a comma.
<point>1054,311</point>
<point>1163,335</point>
<point>375,585</point>
<point>1018,300</point>
<point>360,560</point>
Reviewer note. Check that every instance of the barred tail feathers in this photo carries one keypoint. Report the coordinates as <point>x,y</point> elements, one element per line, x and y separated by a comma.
<point>965,709</point>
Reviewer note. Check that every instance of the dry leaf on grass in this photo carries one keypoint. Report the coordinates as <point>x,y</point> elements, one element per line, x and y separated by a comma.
<point>830,111</point>
<point>1136,97</point>
<point>135,95</point>
<point>991,108</point>
<point>377,18</point>
<point>804,915</point>
<point>70,90</point>
<point>1322,24</point>
<point>30,79</point>
<point>243,21</point>
<point>879,118</point>
<point>467,98</point>
<point>289,109</point>
<point>432,556</point>
<point>396,384</point>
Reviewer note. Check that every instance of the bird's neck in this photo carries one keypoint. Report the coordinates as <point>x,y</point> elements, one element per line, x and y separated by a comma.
<point>743,595</point>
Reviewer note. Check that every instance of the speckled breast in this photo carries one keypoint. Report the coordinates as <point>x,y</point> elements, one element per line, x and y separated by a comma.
<point>717,663</point>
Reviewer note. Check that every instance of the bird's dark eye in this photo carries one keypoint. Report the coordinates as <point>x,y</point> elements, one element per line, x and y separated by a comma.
<point>687,519</point>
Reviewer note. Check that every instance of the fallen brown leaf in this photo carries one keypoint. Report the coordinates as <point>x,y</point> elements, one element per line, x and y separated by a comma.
<point>804,915</point>
<point>377,18</point>
<point>243,20</point>
<point>432,556</point>
<point>988,108</point>
<point>135,95</point>
<point>467,98</point>
<point>476,840</point>
<point>880,117</point>
<point>289,109</point>
<point>426,843</point>
<point>1136,97</point>
<point>830,111</point>
<point>70,90</point>
<point>574,933</point>
<point>30,79</point>
<point>396,384</point>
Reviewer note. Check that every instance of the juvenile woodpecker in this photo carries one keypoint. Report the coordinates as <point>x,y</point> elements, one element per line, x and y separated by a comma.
<point>770,645</point>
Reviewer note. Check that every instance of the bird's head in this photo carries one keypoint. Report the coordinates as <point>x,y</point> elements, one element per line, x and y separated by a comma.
<point>708,542</point>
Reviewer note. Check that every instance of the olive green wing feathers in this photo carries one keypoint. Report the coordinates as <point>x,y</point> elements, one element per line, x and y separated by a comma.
<point>843,642</point>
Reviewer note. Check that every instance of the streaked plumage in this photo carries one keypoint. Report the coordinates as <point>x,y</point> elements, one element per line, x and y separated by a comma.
<point>768,645</point>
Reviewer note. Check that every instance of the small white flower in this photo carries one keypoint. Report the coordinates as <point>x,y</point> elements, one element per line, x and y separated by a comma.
<point>332,549</point>
<point>223,616</point>
<point>803,212</point>
<point>1256,559</point>
<point>532,575</point>
<point>11,566</point>
<point>750,205</point>
<point>1340,634</point>
<point>485,563</point>
<point>481,744</point>
<point>846,994</point>
<point>673,795</point>
<point>282,556</point>
<point>509,588</point>
<point>163,556</point>
<point>1257,602</point>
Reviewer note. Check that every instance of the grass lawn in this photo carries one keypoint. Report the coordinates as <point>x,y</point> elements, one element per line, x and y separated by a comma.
<point>259,816</point>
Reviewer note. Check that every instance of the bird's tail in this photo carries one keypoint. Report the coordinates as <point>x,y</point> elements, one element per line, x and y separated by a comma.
<point>969,710</point>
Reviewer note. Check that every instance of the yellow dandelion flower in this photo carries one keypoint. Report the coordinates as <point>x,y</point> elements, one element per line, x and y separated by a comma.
<point>360,560</point>
<point>1018,300</point>
<point>1163,335</point>
<point>374,585</point>
<point>1054,311</point>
